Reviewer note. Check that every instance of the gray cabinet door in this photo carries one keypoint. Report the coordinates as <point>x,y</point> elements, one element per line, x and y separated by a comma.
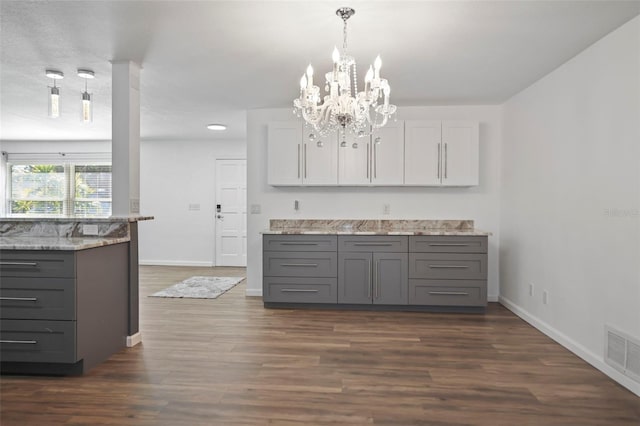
<point>390,281</point>
<point>354,278</point>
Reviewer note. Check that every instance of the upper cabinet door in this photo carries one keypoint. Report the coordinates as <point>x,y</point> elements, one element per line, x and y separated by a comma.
<point>387,159</point>
<point>422,148</point>
<point>320,160</point>
<point>354,164</point>
<point>460,153</point>
<point>284,153</point>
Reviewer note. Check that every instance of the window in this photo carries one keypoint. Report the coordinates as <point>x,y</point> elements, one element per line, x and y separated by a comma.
<point>59,189</point>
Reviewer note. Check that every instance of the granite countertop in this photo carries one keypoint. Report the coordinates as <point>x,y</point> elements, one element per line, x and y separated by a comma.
<point>109,219</point>
<point>372,227</point>
<point>56,243</point>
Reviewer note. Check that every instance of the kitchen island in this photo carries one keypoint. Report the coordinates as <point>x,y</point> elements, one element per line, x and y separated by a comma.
<point>68,292</point>
<point>375,264</point>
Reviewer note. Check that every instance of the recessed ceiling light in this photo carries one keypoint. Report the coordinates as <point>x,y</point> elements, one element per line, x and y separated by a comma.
<point>85,73</point>
<point>55,74</point>
<point>216,127</point>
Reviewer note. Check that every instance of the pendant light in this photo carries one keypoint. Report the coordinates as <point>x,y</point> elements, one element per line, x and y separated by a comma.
<point>53,93</point>
<point>86,112</point>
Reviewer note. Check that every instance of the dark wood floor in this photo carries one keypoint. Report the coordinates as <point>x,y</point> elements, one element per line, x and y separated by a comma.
<point>231,362</point>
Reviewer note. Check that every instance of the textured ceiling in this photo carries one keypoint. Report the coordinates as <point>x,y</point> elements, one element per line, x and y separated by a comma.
<point>210,61</point>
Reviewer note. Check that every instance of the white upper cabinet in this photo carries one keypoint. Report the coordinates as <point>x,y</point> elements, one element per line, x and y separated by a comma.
<point>422,152</point>
<point>387,161</point>
<point>375,160</point>
<point>319,159</point>
<point>460,153</point>
<point>284,152</point>
<point>416,152</point>
<point>354,161</point>
<point>293,158</point>
<point>441,153</point>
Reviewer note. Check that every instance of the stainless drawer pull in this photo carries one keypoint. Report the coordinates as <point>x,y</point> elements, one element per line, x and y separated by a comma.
<point>20,299</point>
<point>449,266</point>
<point>299,244</point>
<point>311,265</point>
<point>448,245</point>
<point>20,342</point>
<point>298,290</point>
<point>18,264</point>
<point>372,244</point>
<point>449,293</point>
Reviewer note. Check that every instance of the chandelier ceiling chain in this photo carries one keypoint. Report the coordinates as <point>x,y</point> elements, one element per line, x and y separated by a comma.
<point>343,108</point>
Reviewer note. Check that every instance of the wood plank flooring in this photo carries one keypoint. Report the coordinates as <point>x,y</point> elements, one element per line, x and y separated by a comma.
<point>229,361</point>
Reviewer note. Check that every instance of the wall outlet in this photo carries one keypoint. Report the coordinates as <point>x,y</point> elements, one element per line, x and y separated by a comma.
<point>90,229</point>
<point>545,297</point>
<point>256,209</point>
<point>386,209</point>
<point>531,292</point>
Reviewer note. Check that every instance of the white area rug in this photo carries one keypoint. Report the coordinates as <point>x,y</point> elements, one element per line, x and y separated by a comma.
<point>200,287</point>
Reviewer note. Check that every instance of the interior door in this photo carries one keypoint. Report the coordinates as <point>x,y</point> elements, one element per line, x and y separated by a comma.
<point>231,212</point>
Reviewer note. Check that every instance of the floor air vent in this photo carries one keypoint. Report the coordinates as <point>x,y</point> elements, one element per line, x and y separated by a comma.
<point>622,352</point>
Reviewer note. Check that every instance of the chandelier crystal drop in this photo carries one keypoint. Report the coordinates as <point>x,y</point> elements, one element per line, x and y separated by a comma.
<point>343,108</point>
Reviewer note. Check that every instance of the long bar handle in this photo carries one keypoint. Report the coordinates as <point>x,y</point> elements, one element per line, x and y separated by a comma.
<point>298,161</point>
<point>298,290</point>
<point>20,342</point>
<point>311,265</point>
<point>448,245</point>
<point>20,299</point>
<point>446,161</point>
<point>18,263</point>
<point>449,293</point>
<point>439,162</point>
<point>298,244</point>
<point>449,266</point>
<point>372,244</point>
<point>370,283</point>
<point>305,160</point>
<point>368,161</point>
<point>375,161</point>
<point>376,280</point>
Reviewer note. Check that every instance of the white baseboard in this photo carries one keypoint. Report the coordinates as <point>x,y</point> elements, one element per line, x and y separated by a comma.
<point>134,339</point>
<point>174,263</point>
<point>253,292</point>
<point>493,298</point>
<point>584,353</point>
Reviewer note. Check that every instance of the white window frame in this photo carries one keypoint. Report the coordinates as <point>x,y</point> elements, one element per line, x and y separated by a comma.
<point>68,161</point>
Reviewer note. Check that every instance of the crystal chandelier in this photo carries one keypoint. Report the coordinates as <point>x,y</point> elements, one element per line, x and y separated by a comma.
<point>343,107</point>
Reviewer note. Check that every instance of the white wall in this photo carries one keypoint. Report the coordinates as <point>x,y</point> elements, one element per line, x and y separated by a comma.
<point>570,221</point>
<point>478,203</point>
<point>174,174</point>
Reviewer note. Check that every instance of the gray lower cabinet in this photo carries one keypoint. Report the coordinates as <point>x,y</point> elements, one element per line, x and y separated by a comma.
<point>391,270</point>
<point>378,278</point>
<point>448,271</point>
<point>62,312</point>
<point>299,269</point>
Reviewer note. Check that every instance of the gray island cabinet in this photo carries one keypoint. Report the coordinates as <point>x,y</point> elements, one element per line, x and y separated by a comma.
<point>355,271</point>
<point>62,312</point>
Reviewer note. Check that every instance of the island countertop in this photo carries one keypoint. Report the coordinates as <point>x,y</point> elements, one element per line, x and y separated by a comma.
<point>372,227</point>
<point>57,243</point>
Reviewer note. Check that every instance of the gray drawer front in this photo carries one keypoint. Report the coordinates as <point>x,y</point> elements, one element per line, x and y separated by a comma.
<point>300,264</point>
<point>300,290</point>
<point>34,263</point>
<point>38,341</point>
<point>447,244</point>
<point>448,266</point>
<point>448,292</point>
<point>37,298</point>
<point>299,243</point>
<point>373,243</point>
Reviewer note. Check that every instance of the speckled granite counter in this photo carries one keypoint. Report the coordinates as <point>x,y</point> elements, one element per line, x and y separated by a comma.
<point>65,233</point>
<point>372,227</point>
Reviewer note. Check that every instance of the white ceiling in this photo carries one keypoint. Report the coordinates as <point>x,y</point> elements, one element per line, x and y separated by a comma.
<point>210,61</point>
